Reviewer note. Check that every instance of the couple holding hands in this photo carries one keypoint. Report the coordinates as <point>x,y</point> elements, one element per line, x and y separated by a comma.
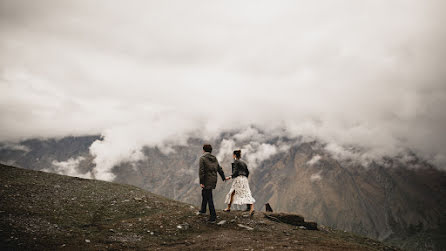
<point>239,193</point>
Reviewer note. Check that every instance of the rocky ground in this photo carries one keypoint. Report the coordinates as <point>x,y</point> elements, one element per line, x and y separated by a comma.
<point>42,211</point>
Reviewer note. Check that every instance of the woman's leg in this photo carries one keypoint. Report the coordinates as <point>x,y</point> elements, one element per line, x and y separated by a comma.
<point>251,211</point>
<point>230,201</point>
<point>232,198</point>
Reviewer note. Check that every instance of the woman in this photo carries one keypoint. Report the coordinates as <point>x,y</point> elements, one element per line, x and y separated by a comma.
<point>240,193</point>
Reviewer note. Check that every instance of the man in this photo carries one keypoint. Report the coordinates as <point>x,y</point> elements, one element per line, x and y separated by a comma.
<point>208,180</point>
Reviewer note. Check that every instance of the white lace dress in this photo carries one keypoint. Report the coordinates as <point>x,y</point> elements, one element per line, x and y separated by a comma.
<point>242,193</point>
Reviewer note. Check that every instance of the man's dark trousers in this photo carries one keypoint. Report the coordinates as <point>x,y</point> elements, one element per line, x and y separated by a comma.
<point>207,199</point>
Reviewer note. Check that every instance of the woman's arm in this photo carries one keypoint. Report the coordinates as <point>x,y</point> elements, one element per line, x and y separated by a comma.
<point>235,173</point>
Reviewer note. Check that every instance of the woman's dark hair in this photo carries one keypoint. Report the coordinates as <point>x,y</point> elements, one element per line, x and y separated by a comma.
<point>207,148</point>
<point>238,154</point>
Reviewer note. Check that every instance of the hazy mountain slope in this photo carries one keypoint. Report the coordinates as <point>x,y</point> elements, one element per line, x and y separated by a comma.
<point>396,203</point>
<point>43,211</point>
<point>39,154</point>
<point>380,202</point>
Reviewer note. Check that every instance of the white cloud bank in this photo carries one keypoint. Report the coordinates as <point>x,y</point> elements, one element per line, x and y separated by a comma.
<point>368,73</point>
<point>254,146</point>
<point>69,167</point>
<point>314,160</point>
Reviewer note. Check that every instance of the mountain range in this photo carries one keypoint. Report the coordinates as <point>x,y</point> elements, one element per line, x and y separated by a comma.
<point>396,200</point>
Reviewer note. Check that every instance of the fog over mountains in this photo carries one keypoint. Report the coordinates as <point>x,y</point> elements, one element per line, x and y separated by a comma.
<point>321,93</point>
<point>399,200</point>
<point>367,74</point>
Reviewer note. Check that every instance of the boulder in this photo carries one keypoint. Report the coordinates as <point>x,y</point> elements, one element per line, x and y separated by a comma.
<point>268,208</point>
<point>311,225</point>
<point>292,219</point>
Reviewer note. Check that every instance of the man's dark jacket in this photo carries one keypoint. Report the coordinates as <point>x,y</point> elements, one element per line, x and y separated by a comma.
<point>208,171</point>
<point>239,168</point>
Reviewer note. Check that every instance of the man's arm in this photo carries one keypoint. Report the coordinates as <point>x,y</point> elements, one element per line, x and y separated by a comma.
<point>220,171</point>
<point>222,174</point>
<point>201,171</point>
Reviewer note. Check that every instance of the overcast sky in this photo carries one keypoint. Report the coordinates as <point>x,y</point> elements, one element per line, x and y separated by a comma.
<point>370,73</point>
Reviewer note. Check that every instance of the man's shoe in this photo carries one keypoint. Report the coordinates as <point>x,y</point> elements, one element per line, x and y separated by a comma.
<point>212,221</point>
<point>200,213</point>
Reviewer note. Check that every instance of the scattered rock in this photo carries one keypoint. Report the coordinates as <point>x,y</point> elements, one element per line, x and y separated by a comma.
<point>245,227</point>
<point>87,240</point>
<point>183,226</point>
<point>222,222</point>
<point>302,227</point>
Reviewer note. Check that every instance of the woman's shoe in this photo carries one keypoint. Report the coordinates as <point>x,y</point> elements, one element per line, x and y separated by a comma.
<point>227,210</point>
<point>251,213</point>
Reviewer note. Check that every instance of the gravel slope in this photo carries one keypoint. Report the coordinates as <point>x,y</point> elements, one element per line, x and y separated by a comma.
<point>42,211</point>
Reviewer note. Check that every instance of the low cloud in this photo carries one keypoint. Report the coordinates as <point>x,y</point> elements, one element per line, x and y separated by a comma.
<point>316,177</point>
<point>227,148</point>
<point>69,167</point>
<point>314,160</point>
<point>258,152</point>
<point>366,75</point>
<point>14,147</point>
<point>254,146</point>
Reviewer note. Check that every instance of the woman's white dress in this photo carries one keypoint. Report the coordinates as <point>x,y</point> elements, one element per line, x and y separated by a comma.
<point>242,193</point>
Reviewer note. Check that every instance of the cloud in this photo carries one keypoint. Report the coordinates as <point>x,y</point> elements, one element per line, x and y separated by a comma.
<point>258,152</point>
<point>368,74</point>
<point>14,147</point>
<point>316,176</point>
<point>254,146</point>
<point>226,149</point>
<point>314,160</point>
<point>69,167</point>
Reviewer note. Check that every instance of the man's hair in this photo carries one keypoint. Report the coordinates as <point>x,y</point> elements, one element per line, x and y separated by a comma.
<point>207,148</point>
<point>238,153</point>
